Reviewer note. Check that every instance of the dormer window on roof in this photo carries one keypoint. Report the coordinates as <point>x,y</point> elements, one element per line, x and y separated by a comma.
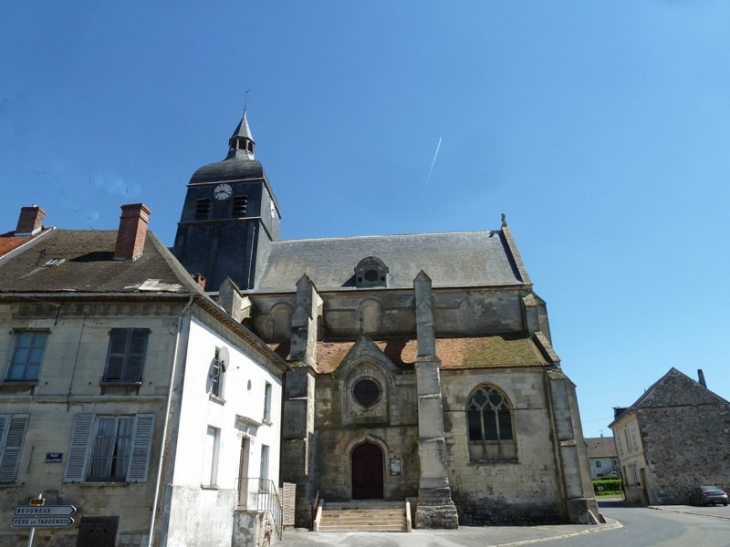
<point>371,272</point>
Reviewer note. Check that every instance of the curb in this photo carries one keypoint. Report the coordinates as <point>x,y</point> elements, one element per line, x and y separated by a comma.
<point>695,513</point>
<point>612,525</point>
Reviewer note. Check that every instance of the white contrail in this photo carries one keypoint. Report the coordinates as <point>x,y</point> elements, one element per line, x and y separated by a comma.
<point>435,155</point>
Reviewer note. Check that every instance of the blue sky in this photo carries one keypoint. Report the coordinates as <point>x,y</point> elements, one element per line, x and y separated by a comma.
<point>601,129</point>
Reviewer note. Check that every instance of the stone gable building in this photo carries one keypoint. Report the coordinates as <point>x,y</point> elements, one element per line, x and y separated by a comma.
<point>421,366</point>
<point>674,438</point>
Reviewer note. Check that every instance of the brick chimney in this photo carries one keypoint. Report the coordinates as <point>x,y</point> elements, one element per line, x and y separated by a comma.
<point>132,232</point>
<point>200,280</point>
<point>30,221</point>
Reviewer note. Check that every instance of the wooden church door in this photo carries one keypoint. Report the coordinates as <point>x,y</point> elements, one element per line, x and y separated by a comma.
<point>367,472</point>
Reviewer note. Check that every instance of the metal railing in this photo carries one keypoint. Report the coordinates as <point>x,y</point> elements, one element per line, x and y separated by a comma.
<point>261,495</point>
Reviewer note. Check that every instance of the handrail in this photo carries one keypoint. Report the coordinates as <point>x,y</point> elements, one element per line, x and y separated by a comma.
<point>263,496</point>
<point>314,508</point>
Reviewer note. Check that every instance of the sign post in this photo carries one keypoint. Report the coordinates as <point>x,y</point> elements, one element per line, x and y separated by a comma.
<point>40,515</point>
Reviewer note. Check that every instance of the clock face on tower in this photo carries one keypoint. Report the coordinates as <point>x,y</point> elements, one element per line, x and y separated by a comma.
<point>222,191</point>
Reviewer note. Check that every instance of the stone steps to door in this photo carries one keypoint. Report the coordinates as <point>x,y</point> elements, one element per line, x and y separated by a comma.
<point>363,516</point>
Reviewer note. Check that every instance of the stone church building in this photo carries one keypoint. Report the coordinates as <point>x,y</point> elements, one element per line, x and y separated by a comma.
<point>421,365</point>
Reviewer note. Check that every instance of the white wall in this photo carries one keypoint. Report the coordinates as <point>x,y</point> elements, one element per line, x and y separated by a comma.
<point>202,514</point>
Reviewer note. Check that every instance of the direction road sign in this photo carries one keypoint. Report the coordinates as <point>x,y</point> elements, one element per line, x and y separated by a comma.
<point>41,522</point>
<point>45,510</point>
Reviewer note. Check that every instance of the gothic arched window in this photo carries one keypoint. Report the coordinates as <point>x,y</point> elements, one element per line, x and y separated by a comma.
<point>490,421</point>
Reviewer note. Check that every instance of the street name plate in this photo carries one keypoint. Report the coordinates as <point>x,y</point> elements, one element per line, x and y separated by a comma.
<point>45,510</point>
<point>41,522</point>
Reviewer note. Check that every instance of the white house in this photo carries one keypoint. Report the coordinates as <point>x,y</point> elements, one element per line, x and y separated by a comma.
<point>130,395</point>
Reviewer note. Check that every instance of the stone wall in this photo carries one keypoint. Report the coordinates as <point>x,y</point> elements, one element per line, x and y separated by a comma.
<point>695,453</point>
<point>523,492</point>
<point>393,427</point>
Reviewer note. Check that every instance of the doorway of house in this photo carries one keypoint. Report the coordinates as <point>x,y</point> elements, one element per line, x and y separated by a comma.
<point>243,477</point>
<point>367,472</point>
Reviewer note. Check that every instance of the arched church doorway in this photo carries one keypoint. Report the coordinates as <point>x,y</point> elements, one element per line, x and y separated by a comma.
<point>367,472</point>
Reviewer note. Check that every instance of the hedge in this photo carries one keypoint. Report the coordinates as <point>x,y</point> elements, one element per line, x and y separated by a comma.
<point>607,486</point>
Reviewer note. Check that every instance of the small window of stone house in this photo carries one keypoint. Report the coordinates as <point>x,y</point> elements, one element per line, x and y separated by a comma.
<point>371,272</point>
<point>490,423</point>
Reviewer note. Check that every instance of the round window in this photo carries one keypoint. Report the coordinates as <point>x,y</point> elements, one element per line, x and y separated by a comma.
<point>366,392</point>
<point>372,275</point>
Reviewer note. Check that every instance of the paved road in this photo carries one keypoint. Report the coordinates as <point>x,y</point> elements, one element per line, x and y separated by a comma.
<point>669,526</point>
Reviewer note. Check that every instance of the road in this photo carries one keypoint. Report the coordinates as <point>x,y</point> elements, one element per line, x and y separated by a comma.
<point>675,527</point>
<point>641,527</point>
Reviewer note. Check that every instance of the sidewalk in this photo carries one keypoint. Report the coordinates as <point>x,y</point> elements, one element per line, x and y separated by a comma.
<point>719,512</point>
<point>464,536</point>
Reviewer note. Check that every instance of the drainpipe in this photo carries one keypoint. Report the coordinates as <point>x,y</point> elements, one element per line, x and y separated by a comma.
<point>156,498</point>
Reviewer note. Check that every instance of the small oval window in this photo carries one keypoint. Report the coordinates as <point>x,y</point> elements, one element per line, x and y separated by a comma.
<point>366,392</point>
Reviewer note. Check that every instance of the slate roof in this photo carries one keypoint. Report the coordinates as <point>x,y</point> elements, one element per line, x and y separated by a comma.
<point>237,166</point>
<point>82,261</point>
<point>450,259</point>
<point>601,447</point>
<point>455,353</point>
<point>672,390</point>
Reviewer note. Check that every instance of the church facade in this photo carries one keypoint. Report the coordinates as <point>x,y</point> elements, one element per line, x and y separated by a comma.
<point>421,366</point>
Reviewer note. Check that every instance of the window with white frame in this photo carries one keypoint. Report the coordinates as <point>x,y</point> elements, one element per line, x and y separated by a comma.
<point>490,426</point>
<point>267,402</point>
<point>126,355</point>
<point>210,459</point>
<point>215,375</point>
<point>12,434</point>
<point>110,448</point>
<point>28,350</point>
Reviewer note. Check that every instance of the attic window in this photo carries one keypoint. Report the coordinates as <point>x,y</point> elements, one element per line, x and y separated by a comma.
<point>55,262</point>
<point>371,272</point>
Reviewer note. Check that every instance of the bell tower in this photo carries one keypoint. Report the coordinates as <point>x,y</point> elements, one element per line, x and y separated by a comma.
<point>229,216</point>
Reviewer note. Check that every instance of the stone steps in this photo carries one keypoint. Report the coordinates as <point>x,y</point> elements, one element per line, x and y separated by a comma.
<point>363,516</point>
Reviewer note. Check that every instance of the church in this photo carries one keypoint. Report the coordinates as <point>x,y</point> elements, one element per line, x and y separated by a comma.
<point>421,367</point>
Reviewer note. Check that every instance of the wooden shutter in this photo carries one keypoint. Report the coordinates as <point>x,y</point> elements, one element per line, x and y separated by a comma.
<point>12,447</point>
<point>144,425</point>
<point>115,356</point>
<point>136,352</point>
<point>80,437</point>
<point>126,356</point>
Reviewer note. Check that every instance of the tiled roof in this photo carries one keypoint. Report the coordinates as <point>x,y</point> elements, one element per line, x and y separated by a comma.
<point>601,447</point>
<point>454,353</point>
<point>8,244</point>
<point>452,259</point>
<point>82,261</point>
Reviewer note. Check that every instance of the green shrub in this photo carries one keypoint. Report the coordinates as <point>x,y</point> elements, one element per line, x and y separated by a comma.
<point>607,486</point>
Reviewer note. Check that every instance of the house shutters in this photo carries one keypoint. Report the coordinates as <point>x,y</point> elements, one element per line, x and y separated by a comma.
<point>141,448</point>
<point>83,437</point>
<point>126,356</point>
<point>80,437</point>
<point>12,431</point>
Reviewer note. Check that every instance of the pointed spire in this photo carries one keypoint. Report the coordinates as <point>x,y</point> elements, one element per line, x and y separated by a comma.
<point>242,139</point>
